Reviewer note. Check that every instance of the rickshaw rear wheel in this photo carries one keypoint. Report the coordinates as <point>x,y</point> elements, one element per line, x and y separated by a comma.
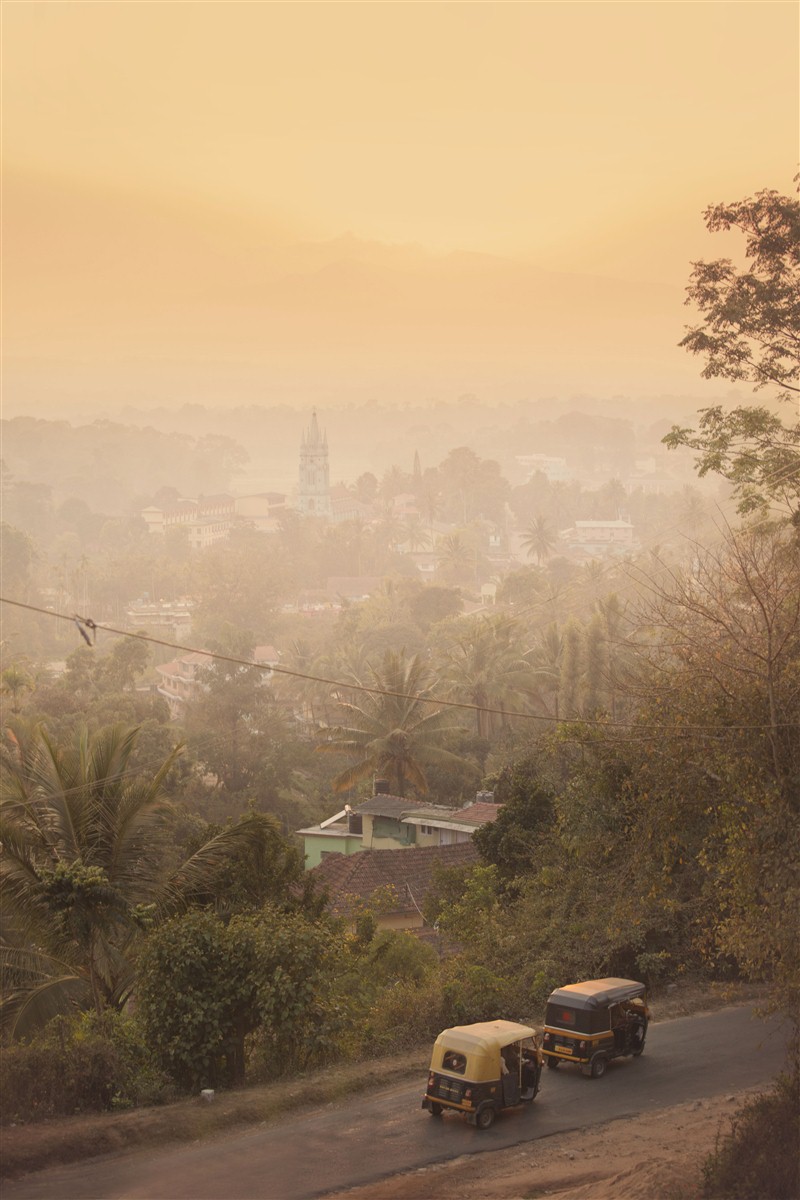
<point>552,1063</point>
<point>435,1109</point>
<point>598,1066</point>
<point>484,1117</point>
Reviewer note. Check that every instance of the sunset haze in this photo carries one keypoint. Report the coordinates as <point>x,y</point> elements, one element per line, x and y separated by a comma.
<point>234,202</point>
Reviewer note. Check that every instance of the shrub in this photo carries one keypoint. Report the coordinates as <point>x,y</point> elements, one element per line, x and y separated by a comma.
<point>78,1065</point>
<point>206,987</point>
<point>404,1015</point>
<point>473,993</point>
<point>759,1159</point>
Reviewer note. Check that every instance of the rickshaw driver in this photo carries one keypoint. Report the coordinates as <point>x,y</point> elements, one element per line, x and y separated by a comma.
<point>510,1068</point>
<point>628,1024</point>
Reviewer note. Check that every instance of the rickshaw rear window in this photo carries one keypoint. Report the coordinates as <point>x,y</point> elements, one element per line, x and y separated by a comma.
<point>568,1018</point>
<point>452,1061</point>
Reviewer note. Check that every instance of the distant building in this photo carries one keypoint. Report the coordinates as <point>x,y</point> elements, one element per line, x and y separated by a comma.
<point>553,468</point>
<point>349,508</point>
<point>179,681</point>
<point>174,616</point>
<point>314,493</point>
<point>261,510</point>
<point>405,505</point>
<point>599,538</point>
<point>352,588</point>
<point>207,520</point>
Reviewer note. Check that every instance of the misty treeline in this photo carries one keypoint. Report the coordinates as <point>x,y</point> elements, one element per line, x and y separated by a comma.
<point>638,720</point>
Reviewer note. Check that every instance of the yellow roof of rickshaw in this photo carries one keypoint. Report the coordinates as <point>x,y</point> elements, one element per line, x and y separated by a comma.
<point>484,1035</point>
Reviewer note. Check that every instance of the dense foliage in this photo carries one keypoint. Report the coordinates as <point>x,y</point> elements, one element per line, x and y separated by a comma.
<point>759,1158</point>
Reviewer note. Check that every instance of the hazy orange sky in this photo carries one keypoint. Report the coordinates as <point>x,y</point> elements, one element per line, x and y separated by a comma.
<point>210,138</point>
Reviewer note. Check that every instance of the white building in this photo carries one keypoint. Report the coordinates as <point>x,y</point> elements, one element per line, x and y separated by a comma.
<point>553,468</point>
<point>599,538</point>
<point>207,520</point>
<point>179,681</point>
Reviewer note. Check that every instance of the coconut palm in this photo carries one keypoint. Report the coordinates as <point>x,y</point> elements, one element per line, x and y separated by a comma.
<point>539,539</point>
<point>85,867</point>
<point>545,660</point>
<point>415,535</point>
<point>15,682</point>
<point>456,560</point>
<point>394,731</point>
<point>486,668</point>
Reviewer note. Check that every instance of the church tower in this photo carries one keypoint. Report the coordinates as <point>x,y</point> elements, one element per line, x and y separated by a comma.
<point>313,494</point>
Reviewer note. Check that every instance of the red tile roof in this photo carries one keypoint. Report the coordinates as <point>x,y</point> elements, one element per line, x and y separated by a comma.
<point>478,813</point>
<point>356,877</point>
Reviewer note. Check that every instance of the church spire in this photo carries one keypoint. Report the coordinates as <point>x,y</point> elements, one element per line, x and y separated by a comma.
<point>313,493</point>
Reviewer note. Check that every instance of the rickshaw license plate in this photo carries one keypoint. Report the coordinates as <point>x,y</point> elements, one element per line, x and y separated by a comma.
<point>564,1049</point>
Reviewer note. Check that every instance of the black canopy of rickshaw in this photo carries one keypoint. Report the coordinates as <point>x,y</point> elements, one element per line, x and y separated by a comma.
<point>596,993</point>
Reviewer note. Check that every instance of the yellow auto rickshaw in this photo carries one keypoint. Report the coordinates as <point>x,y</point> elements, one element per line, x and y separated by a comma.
<point>478,1070</point>
<point>594,1021</point>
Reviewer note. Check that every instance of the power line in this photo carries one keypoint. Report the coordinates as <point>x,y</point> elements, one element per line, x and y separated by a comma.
<point>342,686</point>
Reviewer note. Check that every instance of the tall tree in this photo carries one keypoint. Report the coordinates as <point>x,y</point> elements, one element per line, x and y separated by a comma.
<point>15,682</point>
<point>88,862</point>
<point>486,667</point>
<point>539,539</point>
<point>751,318</point>
<point>750,332</point>
<point>456,560</point>
<point>394,732</point>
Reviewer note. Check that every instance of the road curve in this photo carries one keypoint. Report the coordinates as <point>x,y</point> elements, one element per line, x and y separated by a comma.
<point>376,1135</point>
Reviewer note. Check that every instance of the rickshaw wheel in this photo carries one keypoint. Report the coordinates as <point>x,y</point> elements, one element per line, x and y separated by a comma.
<point>435,1109</point>
<point>552,1063</point>
<point>598,1066</point>
<point>484,1117</point>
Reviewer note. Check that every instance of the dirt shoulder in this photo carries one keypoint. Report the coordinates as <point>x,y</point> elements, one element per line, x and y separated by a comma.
<point>657,1156</point>
<point>33,1147</point>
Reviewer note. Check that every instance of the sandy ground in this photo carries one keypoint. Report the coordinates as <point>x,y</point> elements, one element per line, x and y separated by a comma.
<point>657,1156</point>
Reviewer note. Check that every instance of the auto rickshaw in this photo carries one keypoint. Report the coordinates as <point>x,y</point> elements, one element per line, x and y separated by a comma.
<point>592,1022</point>
<point>478,1070</point>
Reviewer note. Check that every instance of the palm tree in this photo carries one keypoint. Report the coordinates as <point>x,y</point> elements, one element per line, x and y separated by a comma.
<point>15,682</point>
<point>454,556</point>
<point>486,668</point>
<point>394,731</point>
<point>539,539</point>
<point>415,536</point>
<point>545,660</point>
<point>85,867</point>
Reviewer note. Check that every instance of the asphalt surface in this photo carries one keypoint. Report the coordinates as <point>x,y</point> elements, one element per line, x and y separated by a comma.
<point>376,1135</point>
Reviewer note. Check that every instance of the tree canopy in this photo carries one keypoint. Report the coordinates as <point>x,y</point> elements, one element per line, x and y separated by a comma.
<point>88,864</point>
<point>750,331</point>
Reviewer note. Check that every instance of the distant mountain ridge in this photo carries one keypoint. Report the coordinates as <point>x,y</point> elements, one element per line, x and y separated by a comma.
<point>105,295</point>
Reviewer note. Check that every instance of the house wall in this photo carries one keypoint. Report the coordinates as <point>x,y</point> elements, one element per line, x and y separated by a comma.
<point>399,921</point>
<point>384,833</point>
<point>440,837</point>
<point>315,847</point>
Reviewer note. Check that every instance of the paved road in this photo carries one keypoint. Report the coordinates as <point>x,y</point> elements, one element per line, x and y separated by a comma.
<point>374,1136</point>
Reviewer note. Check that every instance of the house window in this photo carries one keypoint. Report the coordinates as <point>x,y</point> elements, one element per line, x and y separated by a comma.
<point>426,829</point>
